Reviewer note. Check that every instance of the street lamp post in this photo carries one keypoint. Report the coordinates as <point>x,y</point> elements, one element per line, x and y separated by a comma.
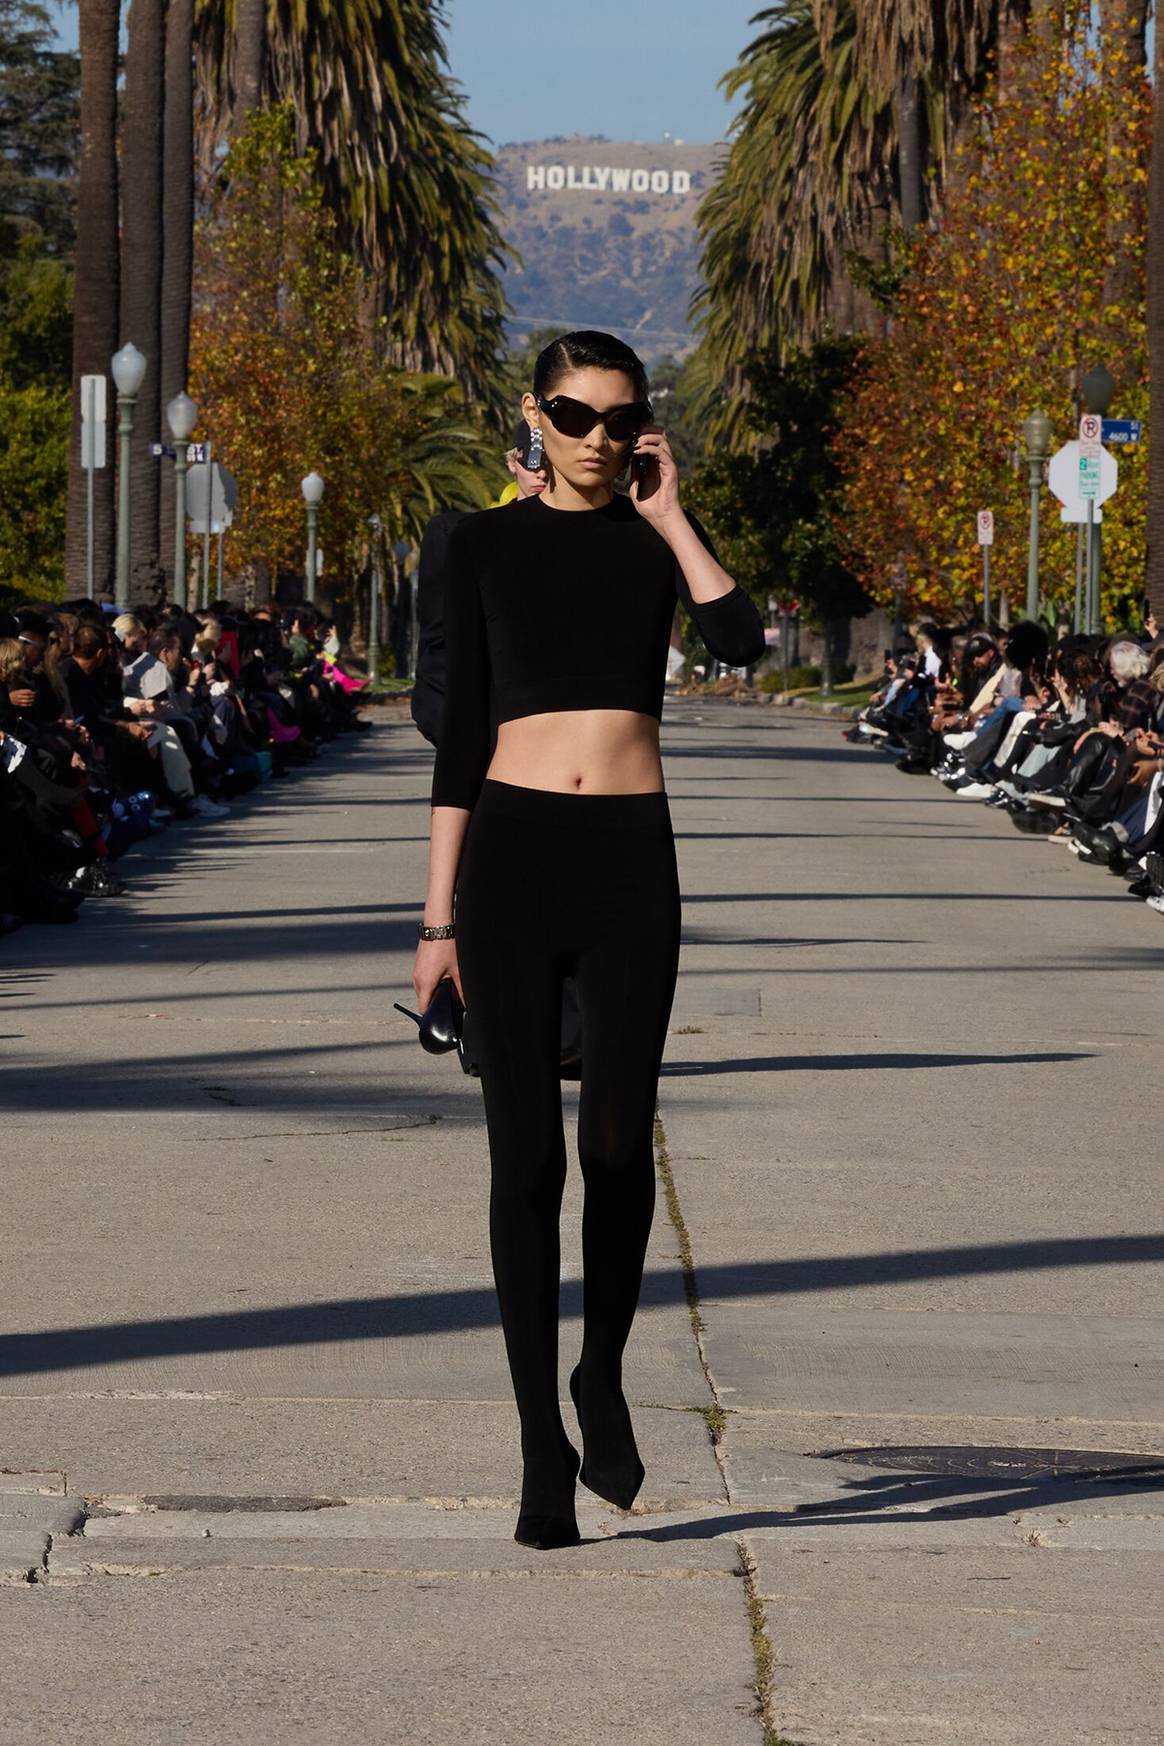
<point>312,489</point>
<point>181,416</point>
<point>1037,431</point>
<point>377,526</point>
<point>129,368</point>
<point>1098,388</point>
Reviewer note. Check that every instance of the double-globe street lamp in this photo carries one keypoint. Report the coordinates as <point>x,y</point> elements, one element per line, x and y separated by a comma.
<point>181,416</point>
<point>129,368</point>
<point>312,489</point>
<point>1037,431</point>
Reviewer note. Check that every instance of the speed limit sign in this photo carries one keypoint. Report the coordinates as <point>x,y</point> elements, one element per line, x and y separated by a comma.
<point>986,527</point>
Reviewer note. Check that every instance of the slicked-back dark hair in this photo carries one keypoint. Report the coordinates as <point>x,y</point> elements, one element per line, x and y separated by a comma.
<point>89,640</point>
<point>587,349</point>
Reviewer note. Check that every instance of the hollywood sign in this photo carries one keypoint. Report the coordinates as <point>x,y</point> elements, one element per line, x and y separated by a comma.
<point>604,179</point>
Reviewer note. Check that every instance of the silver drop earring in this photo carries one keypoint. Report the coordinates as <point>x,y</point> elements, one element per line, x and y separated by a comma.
<point>534,458</point>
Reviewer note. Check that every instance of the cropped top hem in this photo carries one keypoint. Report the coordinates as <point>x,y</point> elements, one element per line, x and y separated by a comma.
<point>631,691</point>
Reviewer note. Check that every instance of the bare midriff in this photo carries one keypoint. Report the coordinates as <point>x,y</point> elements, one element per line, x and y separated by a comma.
<point>580,751</point>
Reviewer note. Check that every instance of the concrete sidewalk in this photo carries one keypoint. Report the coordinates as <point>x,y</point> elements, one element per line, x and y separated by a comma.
<point>254,1410</point>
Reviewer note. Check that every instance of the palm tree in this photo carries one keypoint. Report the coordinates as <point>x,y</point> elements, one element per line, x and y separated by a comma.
<point>447,461</point>
<point>95,297</point>
<point>250,57</point>
<point>1154,579</point>
<point>843,141</point>
<point>406,177</point>
<point>141,268</point>
<point>807,181</point>
<point>178,233</point>
<point>898,45</point>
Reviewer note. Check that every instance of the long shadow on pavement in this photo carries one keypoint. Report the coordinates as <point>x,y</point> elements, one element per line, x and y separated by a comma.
<point>430,1312</point>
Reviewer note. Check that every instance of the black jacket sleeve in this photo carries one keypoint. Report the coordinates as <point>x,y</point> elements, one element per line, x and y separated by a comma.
<point>466,741</point>
<point>731,627</point>
<point>428,691</point>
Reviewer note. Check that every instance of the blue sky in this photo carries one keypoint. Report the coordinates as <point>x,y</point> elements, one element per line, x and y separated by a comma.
<point>632,69</point>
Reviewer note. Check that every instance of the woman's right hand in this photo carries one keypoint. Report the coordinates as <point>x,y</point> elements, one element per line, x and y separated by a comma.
<point>434,960</point>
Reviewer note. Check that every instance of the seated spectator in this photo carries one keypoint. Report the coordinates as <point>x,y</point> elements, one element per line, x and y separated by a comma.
<point>1071,747</point>
<point>100,721</point>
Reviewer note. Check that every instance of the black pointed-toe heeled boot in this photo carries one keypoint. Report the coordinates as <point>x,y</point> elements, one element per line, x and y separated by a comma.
<point>611,1467</point>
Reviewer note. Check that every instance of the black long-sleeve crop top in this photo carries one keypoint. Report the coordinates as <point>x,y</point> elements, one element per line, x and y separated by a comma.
<point>549,609</point>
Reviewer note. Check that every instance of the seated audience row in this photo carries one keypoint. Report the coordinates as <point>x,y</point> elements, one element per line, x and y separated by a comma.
<point>114,726</point>
<point>1068,742</point>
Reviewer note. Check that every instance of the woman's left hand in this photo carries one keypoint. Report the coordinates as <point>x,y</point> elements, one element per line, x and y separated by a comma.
<point>655,496</point>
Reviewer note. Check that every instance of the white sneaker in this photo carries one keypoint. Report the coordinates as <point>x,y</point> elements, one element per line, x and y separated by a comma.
<point>1055,800</point>
<point>958,742</point>
<point>1156,902</point>
<point>208,808</point>
<point>974,791</point>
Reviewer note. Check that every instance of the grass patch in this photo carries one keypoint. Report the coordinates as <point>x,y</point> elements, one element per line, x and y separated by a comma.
<point>762,1655</point>
<point>675,1214</point>
<point>715,1418</point>
<point>854,696</point>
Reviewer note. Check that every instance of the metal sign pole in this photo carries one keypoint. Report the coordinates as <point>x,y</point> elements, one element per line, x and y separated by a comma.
<point>986,586</point>
<point>90,490</point>
<point>1090,565</point>
<point>218,587</point>
<point>1078,577</point>
<point>376,525</point>
<point>206,531</point>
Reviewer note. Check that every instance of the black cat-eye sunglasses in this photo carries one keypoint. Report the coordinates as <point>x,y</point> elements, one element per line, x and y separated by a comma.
<point>575,419</point>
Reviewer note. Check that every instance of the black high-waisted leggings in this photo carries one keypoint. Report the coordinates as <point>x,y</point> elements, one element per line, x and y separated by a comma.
<point>554,885</point>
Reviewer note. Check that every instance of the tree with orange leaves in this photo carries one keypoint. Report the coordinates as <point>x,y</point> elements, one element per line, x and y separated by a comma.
<point>288,377</point>
<point>1002,310</point>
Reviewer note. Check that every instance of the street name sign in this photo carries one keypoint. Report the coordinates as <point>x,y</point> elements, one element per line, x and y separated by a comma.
<point>1122,432</point>
<point>195,453</point>
<point>986,527</point>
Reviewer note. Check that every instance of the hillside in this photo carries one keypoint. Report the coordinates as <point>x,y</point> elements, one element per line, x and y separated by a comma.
<point>606,232</point>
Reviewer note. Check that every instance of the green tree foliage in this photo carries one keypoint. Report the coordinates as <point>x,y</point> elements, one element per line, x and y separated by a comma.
<point>39,114</point>
<point>34,428</point>
<point>40,108</point>
<point>406,179</point>
<point>36,313</point>
<point>772,508</point>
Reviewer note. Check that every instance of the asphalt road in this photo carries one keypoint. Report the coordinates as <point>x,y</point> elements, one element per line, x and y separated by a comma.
<point>260,1460</point>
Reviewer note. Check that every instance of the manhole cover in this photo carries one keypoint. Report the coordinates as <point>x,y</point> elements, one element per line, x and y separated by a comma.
<point>975,1462</point>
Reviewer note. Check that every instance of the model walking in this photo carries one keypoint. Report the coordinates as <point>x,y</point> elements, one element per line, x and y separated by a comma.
<point>557,844</point>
